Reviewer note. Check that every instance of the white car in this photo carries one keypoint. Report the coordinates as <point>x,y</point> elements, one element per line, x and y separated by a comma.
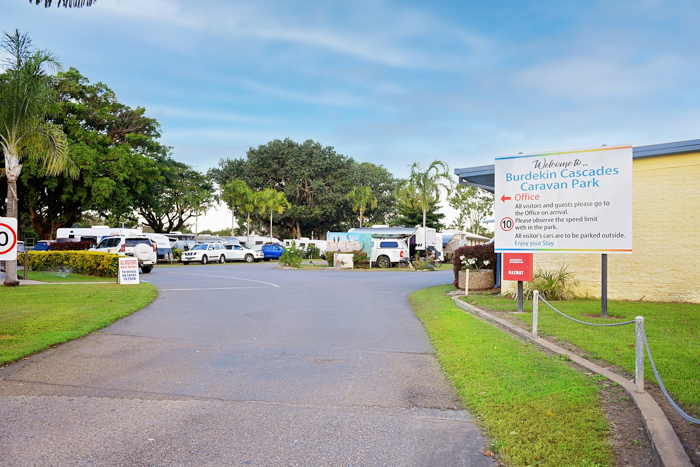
<point>131,245</point>
<point>243,253</point>
<point>205,253</point>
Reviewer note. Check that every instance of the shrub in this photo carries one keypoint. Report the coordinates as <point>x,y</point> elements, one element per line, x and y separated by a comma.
<point>480,253</point>
<point>292,256</point>
<point>91,263</point>
<point>177,254</point>
<point>360,259</point>
<point>421,264</point>
<point>313,252</point>
<point>552,285</point>
<point>71,246</point>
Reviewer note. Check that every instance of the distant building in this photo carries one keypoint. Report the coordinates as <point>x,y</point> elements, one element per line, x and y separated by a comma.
<point>665,264</point>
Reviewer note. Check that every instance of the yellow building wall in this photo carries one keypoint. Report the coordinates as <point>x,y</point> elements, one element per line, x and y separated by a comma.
<point>665,265</point>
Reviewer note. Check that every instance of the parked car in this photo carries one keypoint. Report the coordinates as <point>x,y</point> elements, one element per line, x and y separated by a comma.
<point>205,253</point>
<point>389,252</point>
<point>138,246</point>
<point>43,245</point>
<point>272,251</point>
<point>243,253</point>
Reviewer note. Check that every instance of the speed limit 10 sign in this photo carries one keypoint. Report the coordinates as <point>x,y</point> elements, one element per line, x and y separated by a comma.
<point>8,238</point>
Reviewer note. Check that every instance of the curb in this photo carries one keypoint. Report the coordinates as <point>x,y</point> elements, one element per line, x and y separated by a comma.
<point>667,447</point>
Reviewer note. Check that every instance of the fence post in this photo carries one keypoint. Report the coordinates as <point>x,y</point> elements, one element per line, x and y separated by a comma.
<point>535,311</point>
<point>639,353</point>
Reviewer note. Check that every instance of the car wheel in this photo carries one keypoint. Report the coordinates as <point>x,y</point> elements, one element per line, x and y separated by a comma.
<point>222,259</point>
<point>205,260</point>
<point>383,262</point>
<point>249,258</point>
<point>146,269</point>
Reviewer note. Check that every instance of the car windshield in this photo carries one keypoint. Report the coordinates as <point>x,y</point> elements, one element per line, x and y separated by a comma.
<point>200,247</point>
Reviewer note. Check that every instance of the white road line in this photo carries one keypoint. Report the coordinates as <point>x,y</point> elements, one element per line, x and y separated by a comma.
<point>222,277</point>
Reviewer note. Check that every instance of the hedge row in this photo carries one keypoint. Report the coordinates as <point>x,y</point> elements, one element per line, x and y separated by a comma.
<point>481,253</point>
<point>92,263</point>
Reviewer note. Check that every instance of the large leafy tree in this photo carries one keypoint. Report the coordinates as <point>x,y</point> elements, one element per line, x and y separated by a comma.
<point>314,179</point>
<point>175,196</point>
<point>26,99</point>
<point>426,183</point>
<point>473,205</point>
<point>116,148</point>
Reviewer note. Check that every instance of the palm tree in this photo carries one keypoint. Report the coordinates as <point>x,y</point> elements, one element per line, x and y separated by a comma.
<point>361,197</point>
<point>25,102</point>
<point>235,194</point>
<point>272,200</point>
<point>425,185</point>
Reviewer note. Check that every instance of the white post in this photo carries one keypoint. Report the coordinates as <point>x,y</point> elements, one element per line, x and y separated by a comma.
<point>466,282</point>
<point>535,311</point>
<point>639,354</point>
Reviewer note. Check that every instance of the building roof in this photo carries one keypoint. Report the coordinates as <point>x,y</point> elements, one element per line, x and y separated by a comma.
<point>483,176</point>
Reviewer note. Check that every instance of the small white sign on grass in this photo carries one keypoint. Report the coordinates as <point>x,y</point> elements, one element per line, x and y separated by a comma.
<point>128,271</point>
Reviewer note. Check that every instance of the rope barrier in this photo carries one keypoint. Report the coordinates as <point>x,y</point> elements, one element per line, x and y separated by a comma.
<point>584,322</point>
<point>663,388</point>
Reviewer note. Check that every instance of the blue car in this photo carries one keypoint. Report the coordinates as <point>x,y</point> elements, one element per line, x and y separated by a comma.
<point>272,251</point>
<point>42,245</point>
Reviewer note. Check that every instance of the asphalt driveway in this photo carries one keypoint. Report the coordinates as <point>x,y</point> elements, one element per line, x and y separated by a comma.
<point>245,364</point>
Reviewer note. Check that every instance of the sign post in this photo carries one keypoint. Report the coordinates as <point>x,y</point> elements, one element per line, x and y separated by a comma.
<point>518,267</point>
<point>8,238</point>
<point>574,201</point>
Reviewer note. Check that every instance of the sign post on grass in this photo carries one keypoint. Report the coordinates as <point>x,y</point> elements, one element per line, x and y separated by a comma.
<point>8,238</point>
<point>573,201</point>
<point>128,270</point>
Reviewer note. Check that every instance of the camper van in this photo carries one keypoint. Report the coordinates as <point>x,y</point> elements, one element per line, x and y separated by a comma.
<point>163,248</point>
<point>91,234</point>
<point>305,243</point>
<point>256,241</point>
<point>180,240</point>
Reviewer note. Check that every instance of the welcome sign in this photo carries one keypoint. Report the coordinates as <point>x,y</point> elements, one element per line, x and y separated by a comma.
<point>576,201</point>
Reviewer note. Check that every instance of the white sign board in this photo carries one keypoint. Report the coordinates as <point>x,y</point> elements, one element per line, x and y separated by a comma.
<point>128,270</point>
<point>576,201</point>
<point>8,238</point>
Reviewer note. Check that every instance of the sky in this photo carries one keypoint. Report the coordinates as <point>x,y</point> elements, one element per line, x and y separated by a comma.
<point>387,82</point>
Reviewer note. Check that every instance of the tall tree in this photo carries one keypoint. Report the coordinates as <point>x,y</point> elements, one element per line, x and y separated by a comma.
<point>26,100</point>
<point>273,201</point>
<point>235,194</point>
<point>426,183</point>
<point>121,161</point>
<point>473,205</point>
<point>362,197</point>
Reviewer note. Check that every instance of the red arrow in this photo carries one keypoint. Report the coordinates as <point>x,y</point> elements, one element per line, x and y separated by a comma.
<point>504,198</point>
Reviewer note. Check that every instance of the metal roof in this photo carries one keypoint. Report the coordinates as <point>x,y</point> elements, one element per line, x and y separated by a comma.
<point>483,176</point>
<point>388,232</point>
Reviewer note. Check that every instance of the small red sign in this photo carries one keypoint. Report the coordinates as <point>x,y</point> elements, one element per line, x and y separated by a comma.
<point>517,267</point>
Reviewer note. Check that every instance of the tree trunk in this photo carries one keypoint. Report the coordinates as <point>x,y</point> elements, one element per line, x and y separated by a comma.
<point>12,170</point>
<point>270,226</point>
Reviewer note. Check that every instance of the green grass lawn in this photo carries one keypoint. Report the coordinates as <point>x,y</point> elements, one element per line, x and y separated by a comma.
<point>672,329</point>
<point>35,317</point>
<point>48,276</point>
<point>536,409</point>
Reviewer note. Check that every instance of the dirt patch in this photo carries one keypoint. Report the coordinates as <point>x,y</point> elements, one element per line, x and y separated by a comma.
<point>629,436</point>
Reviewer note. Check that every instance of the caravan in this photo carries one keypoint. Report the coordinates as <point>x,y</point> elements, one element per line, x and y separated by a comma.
<point>91,234</point>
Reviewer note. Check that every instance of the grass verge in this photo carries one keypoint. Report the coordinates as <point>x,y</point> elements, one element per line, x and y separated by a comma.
<point>536,409</point>
<point>672,330</point>
<point>36,317</point>
<point>48,276</point>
